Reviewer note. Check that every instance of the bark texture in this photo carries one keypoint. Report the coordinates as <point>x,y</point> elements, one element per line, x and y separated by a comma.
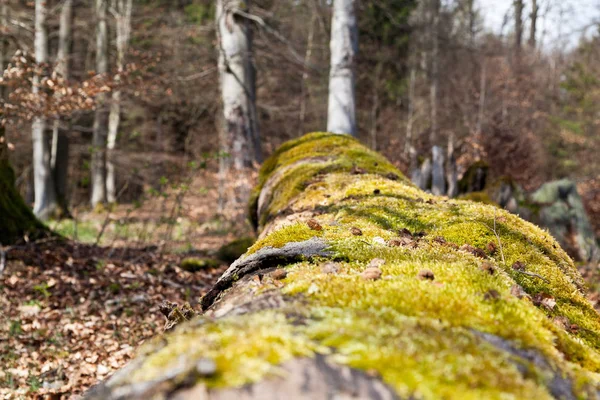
<point>45,194</point>
<point>363,286</point>
<point>240,137</point>
<point>60,140</point>
<point>122,12</point>
<point>341,113</point>
<point>16,218</point>
<point>100,128</point>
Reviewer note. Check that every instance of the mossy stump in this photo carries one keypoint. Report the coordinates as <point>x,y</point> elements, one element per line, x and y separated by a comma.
<point>389,292</point>
<point>16,218</point>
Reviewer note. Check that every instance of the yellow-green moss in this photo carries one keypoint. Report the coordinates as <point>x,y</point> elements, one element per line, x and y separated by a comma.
<point>420,336</point>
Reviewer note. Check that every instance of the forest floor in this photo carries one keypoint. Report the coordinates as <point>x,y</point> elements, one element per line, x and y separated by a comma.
<point>74,311</point>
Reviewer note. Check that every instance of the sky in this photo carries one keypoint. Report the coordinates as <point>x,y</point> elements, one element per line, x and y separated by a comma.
<point>560,24</point>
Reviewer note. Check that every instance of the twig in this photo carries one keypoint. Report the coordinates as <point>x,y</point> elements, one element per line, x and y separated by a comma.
<point>498,238</point>
<point>532,274</point>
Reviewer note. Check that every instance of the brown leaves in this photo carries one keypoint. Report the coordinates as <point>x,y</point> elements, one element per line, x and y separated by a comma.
<point>477,252</point>
<point>80,317</point>
<point>314,225</point>
<point>426,274</point>
<point>356,231</point>
<point>371,274</point>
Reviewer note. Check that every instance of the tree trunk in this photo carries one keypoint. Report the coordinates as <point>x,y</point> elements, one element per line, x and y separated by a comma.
<point>16,219</point>
<point>45,194</point>
<point>239,137</point>
<point>3,43</point>
<point>533,26</point>
<point>435,79</point>
<point>305,92</point>
<point>518,4</point>
<point>100,128</point>
<point>410,118</point>
<point>341,112</point>
<point>362,286</point>
<point>60,140</point>
<point>123,9</point>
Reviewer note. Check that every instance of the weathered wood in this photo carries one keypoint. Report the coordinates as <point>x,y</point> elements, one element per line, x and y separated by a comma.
<point>363,286</point>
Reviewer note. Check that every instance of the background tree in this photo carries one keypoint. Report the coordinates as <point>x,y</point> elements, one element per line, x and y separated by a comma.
<point>60,140</point>
<point>239,136</point>
<point>45,193</point>
<point>341,112</point>
<point>121,10</point>
<point>98,166</point>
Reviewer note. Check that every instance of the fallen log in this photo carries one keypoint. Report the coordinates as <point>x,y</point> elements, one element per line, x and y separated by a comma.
<point>363,286</point>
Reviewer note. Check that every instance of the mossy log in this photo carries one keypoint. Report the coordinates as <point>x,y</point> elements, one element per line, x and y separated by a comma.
<point>16,218</point>
<point>363,286</point>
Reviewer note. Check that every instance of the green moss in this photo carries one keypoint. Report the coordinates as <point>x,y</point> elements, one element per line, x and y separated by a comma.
<point>423,337</point>
<point>480,197</point>
<point>193,264</point>
<point>16,218</point>
<point>234,249</point>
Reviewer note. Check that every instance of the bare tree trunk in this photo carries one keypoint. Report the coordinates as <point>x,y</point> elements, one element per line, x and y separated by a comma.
<point>60,140</point>
<point>375,106</point>
<point>3,43</point>
<point>122,12</point>
<point>434,85</point>
<point>533,26</point>
<point>100,128</point>
<point>304,94</point>
<point>518,4</point>
<point>410,118</point>
<point>341,112</point>
<point>45,194</point>
<point>239,136</point>
<point>481,112</point>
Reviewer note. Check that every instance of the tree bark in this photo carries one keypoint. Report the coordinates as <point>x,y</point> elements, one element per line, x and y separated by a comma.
<point>60,139</point>
<point>518,4</point>
<point>16,220</point>
<point>533,25</point>
<point>341,112</point>
<point>100,128</point>
<point>362,286</point>
<point>3,43</point>
<point>122,12</point>
<point>45,194</point>
<point>435,79</point>
<point>239,137</point>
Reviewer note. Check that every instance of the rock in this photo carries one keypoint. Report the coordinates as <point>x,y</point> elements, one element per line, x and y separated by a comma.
<point>563,213</point>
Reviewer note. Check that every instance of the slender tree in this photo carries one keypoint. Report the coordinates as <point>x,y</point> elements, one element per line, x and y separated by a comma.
<point>45,194</point>
<point>122,12</point>
<point>518,5</point>
<point>60,140</point>
<point>341,112</point>
<point>100,129</point>
<point>533,25</point>
<point>434,78</point>
<point>239,134</point>
<point>3,41</point>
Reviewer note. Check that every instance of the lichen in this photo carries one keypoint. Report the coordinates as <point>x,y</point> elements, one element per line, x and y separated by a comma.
<point>422,336</point>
